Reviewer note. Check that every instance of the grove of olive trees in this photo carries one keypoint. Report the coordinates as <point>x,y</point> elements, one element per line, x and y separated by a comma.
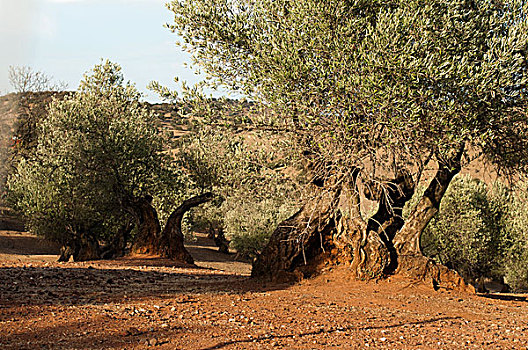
<point>358,109</point>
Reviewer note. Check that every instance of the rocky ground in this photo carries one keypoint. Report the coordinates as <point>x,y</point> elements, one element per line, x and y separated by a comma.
<point>144,302</point>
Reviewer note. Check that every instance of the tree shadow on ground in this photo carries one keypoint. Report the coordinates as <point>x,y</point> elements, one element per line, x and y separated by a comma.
<point>126,337</point>
<point>327,331</point>
<point>24,244</point>
<point>78,334</point>
<point>104,284</point>
<point>505,297</point>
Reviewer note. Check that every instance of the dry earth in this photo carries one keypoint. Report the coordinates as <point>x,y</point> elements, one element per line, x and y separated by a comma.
<point>143,302</point>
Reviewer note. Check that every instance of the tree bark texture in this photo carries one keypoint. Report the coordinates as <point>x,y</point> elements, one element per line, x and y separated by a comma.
<point>301,244</point>
<point>330,230</point>
<point>171,243</point>
<point>148,227</point>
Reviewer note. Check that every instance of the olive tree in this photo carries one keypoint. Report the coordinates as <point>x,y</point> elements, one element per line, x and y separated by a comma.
<point>98,168</point>
<point>381,95</point>
<point>255,183</point>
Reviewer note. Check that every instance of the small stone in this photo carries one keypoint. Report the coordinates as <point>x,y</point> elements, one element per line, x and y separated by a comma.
<point>133,331</point>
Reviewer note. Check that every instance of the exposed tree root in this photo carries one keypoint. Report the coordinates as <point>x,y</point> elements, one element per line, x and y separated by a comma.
<point>421,268</point>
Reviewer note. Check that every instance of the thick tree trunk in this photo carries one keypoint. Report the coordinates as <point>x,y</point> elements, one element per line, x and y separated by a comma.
<point>171,243</point>
<point>66,251</point>
<point>82,247</point>
<point>147,238</point>
<point>374,252</point>
<point>221,241</point>
<point>329,230</point>
<point>88,249</point>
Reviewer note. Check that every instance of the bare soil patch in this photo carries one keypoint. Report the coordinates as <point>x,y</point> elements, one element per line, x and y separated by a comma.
<point>143,302</point>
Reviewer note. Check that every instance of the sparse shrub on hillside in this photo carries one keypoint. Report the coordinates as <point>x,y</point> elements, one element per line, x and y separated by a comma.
<point>34,91</point>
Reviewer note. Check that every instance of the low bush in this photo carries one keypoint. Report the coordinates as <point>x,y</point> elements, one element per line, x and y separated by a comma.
<point>250,223</point>
<point>480,232</point>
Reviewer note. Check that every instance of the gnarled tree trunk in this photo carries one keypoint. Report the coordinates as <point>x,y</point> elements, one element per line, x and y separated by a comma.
<point>171,243</point>
<point>300,245</point>
<point>149,237</point>
<point>411,262</point>
<point>82,247</point>
<point>329,230</point>
<point>148,227</point>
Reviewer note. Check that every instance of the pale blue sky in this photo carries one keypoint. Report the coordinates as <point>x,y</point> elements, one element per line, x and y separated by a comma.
<point>65,38</point>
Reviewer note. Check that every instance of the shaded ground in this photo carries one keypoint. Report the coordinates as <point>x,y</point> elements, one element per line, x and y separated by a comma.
<point>143,302</point>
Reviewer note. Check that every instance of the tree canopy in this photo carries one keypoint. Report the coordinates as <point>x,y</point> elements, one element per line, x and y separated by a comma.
<point>411,79</point>
<point>98,153</point>
<point>376,93</point>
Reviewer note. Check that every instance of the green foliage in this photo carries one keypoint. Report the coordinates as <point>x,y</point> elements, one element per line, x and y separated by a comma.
<point>97,150</point>
<point>480,232</point>
<point>249,223</point>
<point>515,264</point>
<point>466,233</point>
<point>252,180</point>
<point>373,84</point>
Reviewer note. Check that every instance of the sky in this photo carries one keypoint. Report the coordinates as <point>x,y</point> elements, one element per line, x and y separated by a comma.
<point>66,38</point>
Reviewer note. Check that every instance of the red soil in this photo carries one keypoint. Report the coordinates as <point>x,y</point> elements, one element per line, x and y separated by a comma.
<point>143,302</point>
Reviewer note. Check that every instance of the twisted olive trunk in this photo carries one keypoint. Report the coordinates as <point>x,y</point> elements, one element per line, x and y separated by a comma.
<point>407,241</point>
<point>171,242</point>
<point>329,230</point>
<point>148,227</point>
